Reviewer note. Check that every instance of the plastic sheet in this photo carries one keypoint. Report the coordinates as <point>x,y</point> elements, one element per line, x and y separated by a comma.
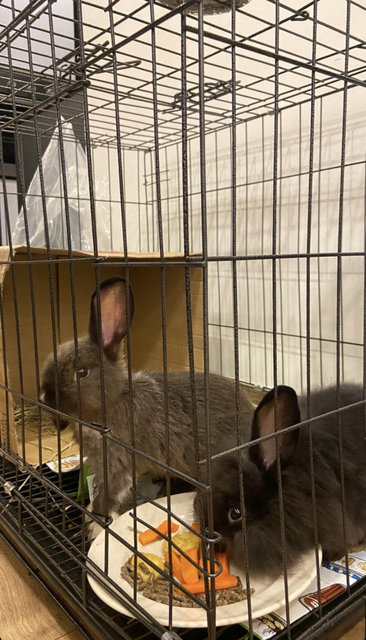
<point>65,208</point>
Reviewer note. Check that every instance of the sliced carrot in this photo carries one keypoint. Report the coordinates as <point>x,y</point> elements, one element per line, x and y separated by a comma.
<point>222,582</point>
<point>226,582</point>
<point>221,557</point>
<point>196,527</point>
<point>189,571</point>
<point>166,555</point>
<point>148,536</point>
<point>177,566</point>
<point>173,526</point>
<point>206,563</point>
<point>200,561</point>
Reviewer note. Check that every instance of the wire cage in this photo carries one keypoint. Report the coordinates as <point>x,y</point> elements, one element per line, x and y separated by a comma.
<point>183,229</point>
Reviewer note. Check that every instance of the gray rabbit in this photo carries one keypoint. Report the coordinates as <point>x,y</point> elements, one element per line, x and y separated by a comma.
<point>261,486</point>
<point>149,405</point>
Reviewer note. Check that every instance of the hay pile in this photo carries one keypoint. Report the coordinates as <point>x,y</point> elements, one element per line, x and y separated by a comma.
<point>33,417</point>
<point>158,589</point>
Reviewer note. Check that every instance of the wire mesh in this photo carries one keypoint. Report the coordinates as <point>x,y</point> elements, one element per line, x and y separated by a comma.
<point>220,159</point>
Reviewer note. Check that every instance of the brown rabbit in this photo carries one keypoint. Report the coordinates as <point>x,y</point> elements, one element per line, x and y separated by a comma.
<point>148,403</point>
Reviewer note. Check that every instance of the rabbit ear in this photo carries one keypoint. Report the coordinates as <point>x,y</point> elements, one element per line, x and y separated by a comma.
<point>113,312</point>
<point>264,454</point>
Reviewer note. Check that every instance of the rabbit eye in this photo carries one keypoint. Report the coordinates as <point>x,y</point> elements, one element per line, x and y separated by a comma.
<point>234,514</point>
<point>83,373</point>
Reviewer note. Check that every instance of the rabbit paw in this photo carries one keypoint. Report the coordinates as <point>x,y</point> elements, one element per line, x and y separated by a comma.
<point>93,529</point>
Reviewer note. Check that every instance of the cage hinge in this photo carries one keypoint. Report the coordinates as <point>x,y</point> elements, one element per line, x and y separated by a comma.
<point>170,635</point>
<point>9,488</point>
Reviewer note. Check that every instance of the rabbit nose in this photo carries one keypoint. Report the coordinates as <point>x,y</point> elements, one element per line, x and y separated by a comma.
<point>62,424</point>
<point>47,395</point>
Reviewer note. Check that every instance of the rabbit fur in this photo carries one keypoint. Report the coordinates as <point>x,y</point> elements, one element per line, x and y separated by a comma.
<point>261,487</point>
<point>148,405</point>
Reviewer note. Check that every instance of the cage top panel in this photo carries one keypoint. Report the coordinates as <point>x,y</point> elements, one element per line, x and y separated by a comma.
<point>138,74</point>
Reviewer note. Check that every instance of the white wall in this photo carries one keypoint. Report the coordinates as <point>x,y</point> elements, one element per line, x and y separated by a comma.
<point>254,197</point>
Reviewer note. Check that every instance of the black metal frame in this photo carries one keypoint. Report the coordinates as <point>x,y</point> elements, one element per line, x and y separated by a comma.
<point>176,104</point>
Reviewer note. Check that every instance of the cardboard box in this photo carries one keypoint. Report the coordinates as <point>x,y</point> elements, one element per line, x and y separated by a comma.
<point>27,328</point>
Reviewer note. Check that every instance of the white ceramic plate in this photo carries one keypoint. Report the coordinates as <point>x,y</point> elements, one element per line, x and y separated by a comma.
<point>267,597</point>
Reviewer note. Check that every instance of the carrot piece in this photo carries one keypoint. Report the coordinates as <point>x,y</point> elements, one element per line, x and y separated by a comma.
<point>222,558</point>
<point>219,557</point>
<point>150,536</point>
<point>196,527</point>
<point>222,582</point>
<point>189,571</point>
<point>177,566</point>
<point>207,563</point>
<point>163,527</point>
<point>226,582</point>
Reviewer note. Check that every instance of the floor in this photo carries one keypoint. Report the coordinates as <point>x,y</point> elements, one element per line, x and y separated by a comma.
<point>357,632</point>
<point>28,612</point>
